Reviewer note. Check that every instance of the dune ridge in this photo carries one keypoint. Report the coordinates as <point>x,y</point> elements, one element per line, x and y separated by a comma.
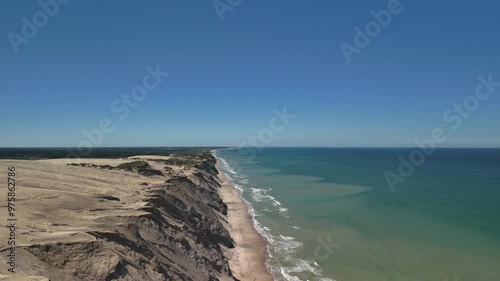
<point>86,219</point>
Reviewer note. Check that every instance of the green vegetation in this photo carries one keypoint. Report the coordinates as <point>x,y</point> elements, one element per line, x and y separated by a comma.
<point>142,167</point>
<point>194,155</point>
<point>181,162</point>
<point>125,166</point>
<point>108,167</point>
<point>131,165</point>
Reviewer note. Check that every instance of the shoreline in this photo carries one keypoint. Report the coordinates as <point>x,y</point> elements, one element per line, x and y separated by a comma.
<point>248,258</point>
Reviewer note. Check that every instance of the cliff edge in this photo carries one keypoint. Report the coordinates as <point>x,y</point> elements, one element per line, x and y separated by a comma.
<point>141,218</point>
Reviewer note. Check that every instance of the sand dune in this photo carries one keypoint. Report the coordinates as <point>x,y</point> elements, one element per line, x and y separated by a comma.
<point>84,219</point>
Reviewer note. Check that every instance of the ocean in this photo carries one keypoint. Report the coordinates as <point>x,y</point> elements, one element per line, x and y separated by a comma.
<point>329,213</point>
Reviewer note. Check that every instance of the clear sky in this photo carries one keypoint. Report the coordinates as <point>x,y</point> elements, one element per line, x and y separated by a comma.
<point>227,76</point>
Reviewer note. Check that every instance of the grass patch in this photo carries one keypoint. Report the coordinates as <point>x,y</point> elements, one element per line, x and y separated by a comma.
<point>180,162</point>
<point>132,165</point>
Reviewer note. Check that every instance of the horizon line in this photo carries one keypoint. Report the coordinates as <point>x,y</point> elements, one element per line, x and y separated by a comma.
<point>229,146</point>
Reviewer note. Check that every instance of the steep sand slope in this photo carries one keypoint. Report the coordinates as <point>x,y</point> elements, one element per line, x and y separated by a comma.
<point>100,223</point>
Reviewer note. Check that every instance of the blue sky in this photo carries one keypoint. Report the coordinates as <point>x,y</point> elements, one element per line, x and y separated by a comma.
<point>226,77</point>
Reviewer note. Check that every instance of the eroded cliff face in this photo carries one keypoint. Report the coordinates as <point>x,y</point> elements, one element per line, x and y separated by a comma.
<point>158,226</point>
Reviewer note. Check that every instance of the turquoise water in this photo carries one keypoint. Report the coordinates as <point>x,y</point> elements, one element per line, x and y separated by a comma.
<point>329,213</point>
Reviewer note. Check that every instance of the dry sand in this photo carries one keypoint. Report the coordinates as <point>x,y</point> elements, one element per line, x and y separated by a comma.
<point>57,201</point>
<point>63,204</point>
<point>69,216</point>
<point>249,256</point>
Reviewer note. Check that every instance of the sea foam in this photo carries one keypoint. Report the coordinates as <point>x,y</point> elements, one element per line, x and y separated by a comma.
<point>282,260</point>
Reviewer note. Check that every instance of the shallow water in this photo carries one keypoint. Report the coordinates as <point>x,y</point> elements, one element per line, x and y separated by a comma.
<point>329,214</point>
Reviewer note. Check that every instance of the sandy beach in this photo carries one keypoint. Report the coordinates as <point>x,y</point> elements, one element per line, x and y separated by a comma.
<point>249,256</point>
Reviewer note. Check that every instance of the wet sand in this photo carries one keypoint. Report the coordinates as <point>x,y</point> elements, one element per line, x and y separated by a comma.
<point>249,256</point>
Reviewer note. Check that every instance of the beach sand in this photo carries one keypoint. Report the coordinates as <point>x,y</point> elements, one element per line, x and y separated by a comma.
<point>249,256</point>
